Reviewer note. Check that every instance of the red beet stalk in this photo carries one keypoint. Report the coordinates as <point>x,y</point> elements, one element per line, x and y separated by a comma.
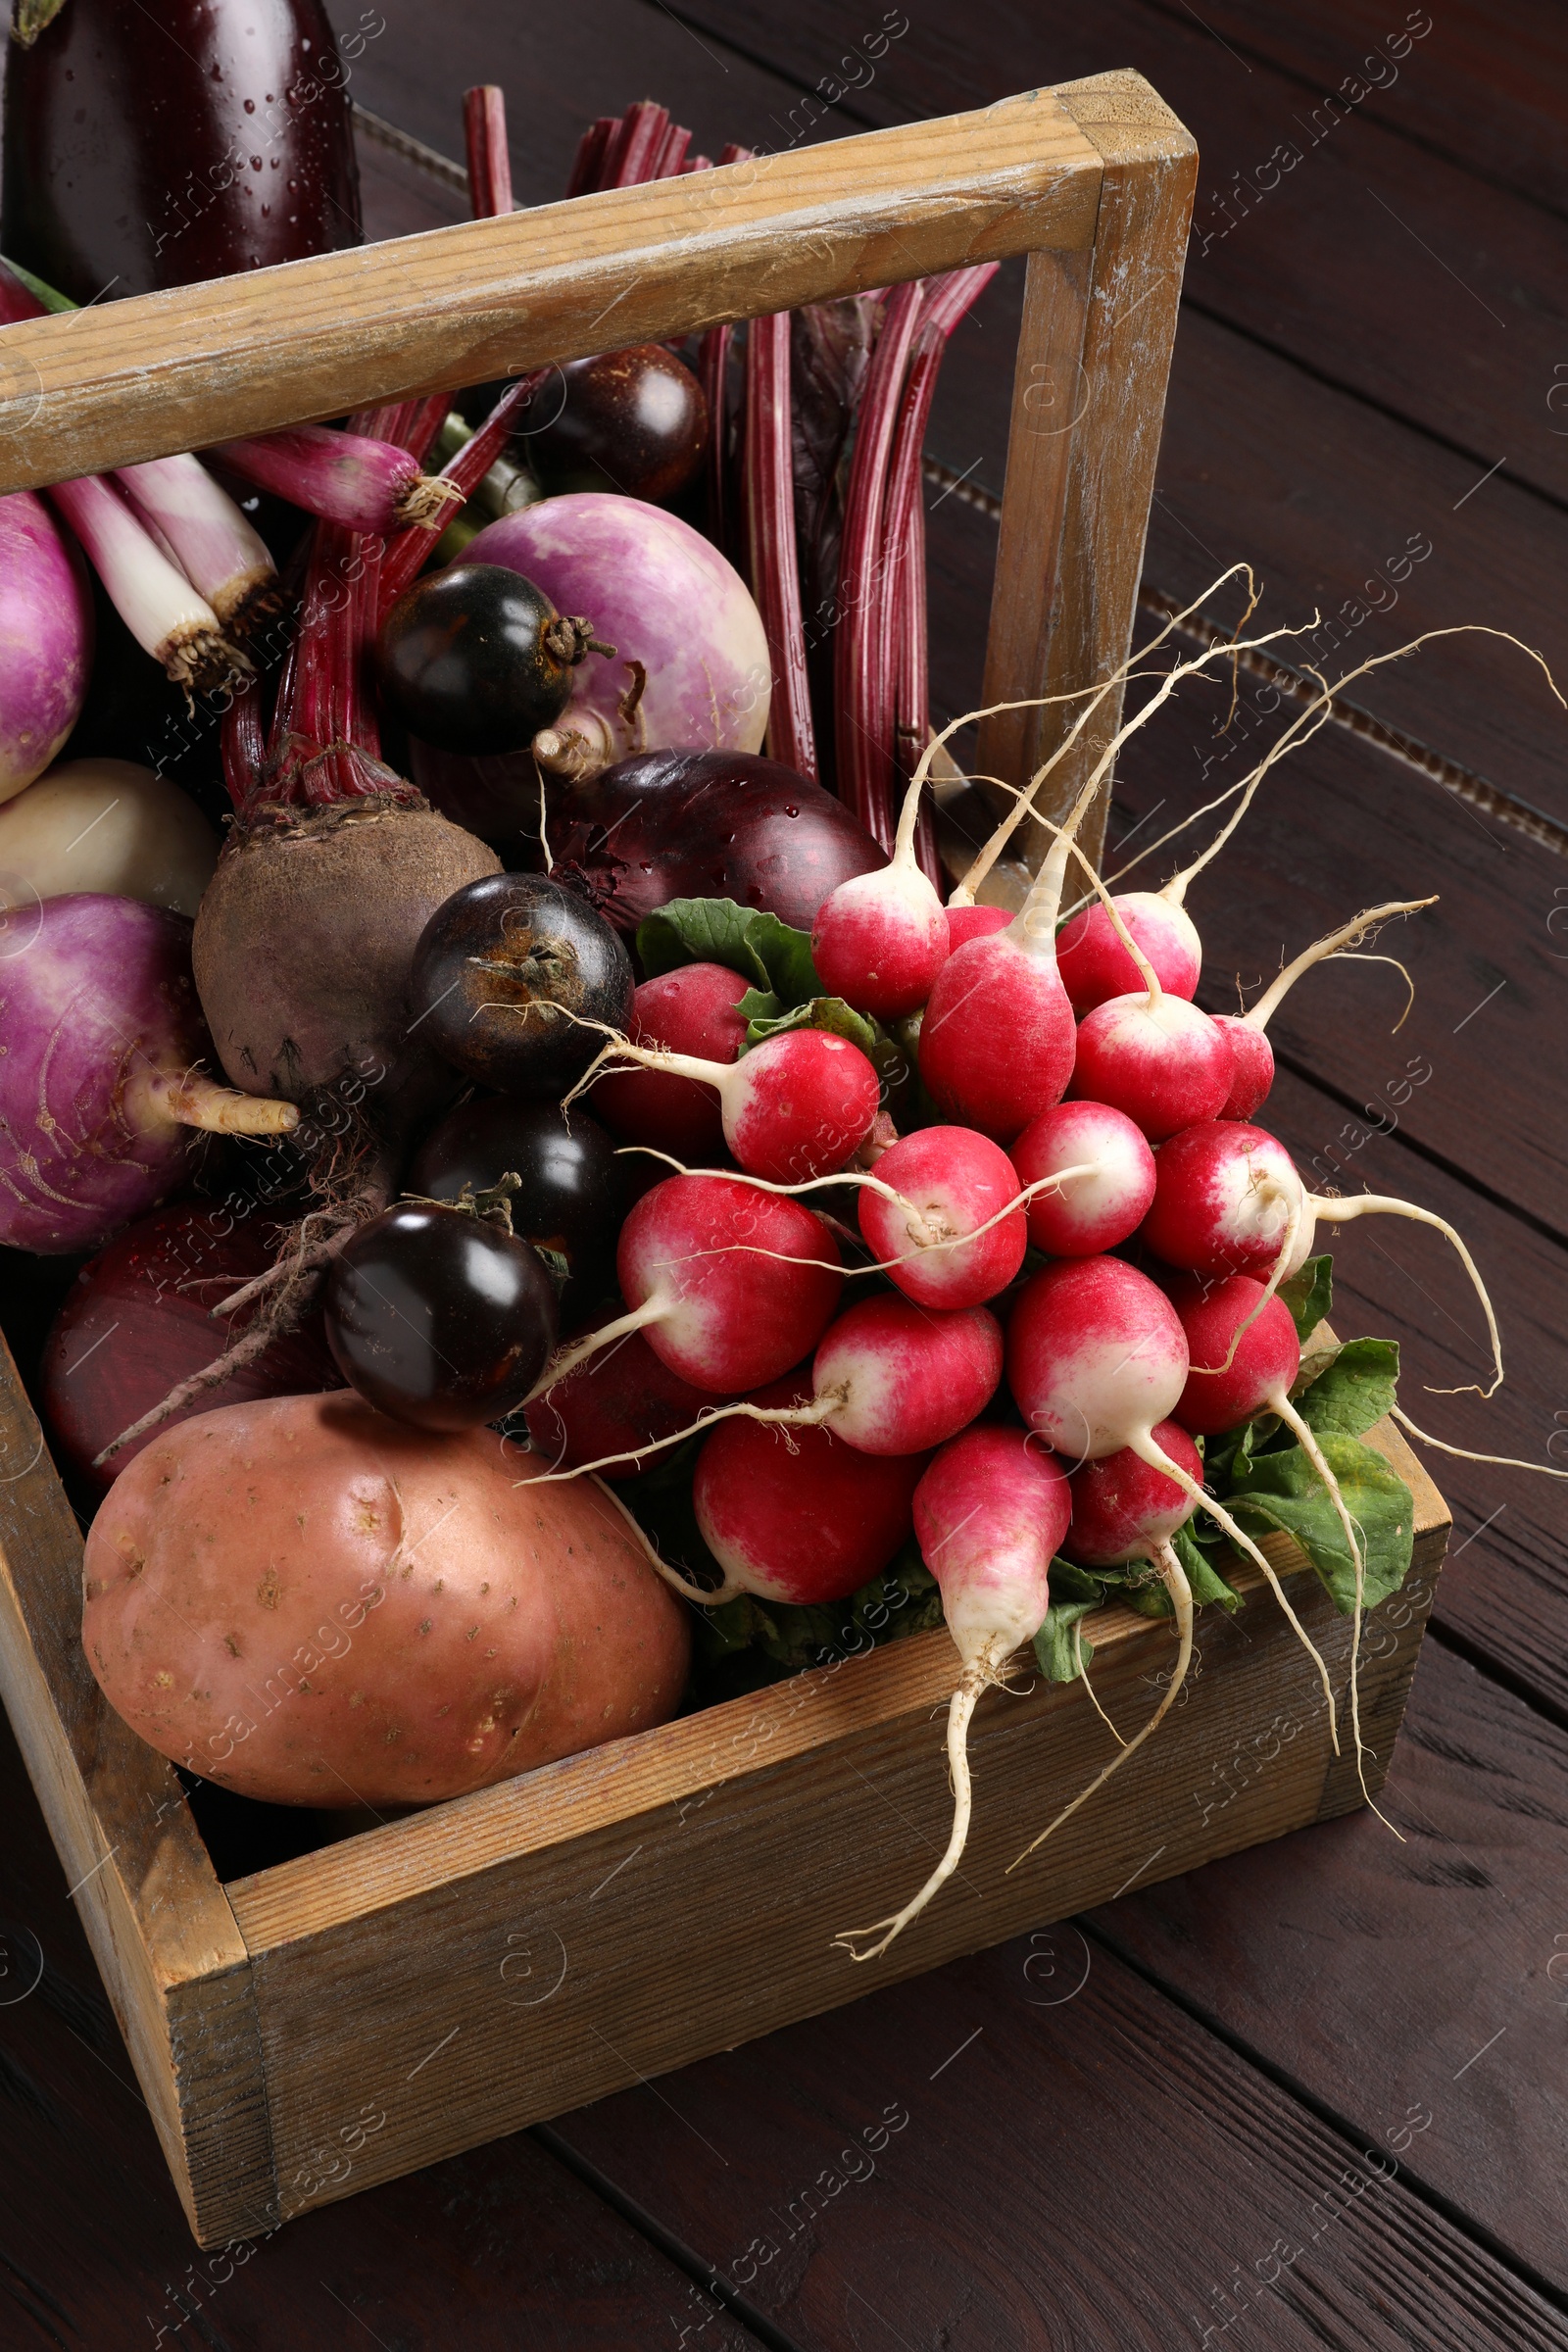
<point>408,552</point>
<point>769,493</point>
<point>484,125</point>
<point>862,687</point>
<point>902,658</point>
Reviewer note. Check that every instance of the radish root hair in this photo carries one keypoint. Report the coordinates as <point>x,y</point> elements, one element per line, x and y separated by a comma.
<point>1174,1578</point>
<point>1363,1205</point>
<point>1158,1459</point>
<point>1504,1461</point>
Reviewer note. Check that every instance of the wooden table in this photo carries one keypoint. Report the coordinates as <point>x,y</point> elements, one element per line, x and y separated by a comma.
<point>1314,2095</point>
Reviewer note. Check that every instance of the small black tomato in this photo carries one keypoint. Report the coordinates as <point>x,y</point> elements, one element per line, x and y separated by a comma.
<point>515,980</point>
<point>476,659</point>
<point>439,1316</point>
<point>572,1198</point>
<point>630,421</point>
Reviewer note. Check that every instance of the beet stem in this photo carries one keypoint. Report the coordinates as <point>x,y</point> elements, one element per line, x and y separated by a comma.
<point>484,126</point>
<point>863,716</point>
<point>769,487</point>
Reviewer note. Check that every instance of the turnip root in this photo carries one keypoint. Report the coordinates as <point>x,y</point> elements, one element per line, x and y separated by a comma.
<point>99,1093</point>
<point>313,1605</point>
<point>990,1515</point>
<point>110,828</point>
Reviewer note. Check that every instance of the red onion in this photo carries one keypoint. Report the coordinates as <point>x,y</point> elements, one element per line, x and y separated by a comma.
<point>98,1089</point>
<point>45,640</point>
<point>691,670</point>
<point>137,1321</point>
<point>704,824</point>
<point>348,478</point>
<point>152,596</point>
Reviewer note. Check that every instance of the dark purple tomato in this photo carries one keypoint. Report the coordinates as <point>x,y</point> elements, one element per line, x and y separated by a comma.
<point>571,1201</point>
<point>440,1317</point>
<point>153,147</point>
<point>476,659</point>
<point>516,980</point>
<point>632,420</point>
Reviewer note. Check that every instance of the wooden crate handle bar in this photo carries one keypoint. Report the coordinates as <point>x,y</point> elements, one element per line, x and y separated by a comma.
<point>126,381</point>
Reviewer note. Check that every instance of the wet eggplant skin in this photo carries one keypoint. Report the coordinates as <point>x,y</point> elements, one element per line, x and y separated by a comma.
<point>151,149</point>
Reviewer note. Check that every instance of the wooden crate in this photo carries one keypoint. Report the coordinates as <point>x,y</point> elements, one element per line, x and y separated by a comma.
<point>421,1988</point>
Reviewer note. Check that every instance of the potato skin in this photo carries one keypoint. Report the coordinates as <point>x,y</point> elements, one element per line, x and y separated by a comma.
<point>314,1605</point>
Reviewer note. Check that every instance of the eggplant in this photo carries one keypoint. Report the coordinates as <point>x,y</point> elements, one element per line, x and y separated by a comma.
<point>145,150</point>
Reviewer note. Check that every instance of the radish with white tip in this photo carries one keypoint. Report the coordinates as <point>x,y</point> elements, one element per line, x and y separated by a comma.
<point>1105,1174</point>
<point>798,1106</point>
<point>990,1515</point>
<point>1252,1054</point>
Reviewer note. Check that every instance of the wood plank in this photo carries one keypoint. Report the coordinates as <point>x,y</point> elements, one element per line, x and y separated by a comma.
<point>95,2250</point>
<point>1504,1591</point>
<point>1490,88</point>
<point>1035,2150</point>
<point>496,1961</point>
<point>1089,394</point>
<point>1372,261</point>
<point>134,379</point>
<point>1311,1953</point>
<point>173,1961</point>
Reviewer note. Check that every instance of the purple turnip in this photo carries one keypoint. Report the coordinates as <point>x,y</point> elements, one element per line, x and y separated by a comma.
<point>46,639</point>
<point>99,1093</point>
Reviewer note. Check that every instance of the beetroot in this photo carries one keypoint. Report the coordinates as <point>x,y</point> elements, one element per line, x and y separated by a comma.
<point>704,824</point>
<point>137,1320</point>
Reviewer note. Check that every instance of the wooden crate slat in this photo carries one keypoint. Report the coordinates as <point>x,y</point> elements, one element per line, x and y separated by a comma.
<point>159,372</point>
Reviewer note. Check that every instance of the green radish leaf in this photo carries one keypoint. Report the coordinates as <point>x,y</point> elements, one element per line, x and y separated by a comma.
<point>767,952</point>
<point>1207,1584</point>
<point>819,1012</point>
<point>1074,1593</point>
<point>1310,1295</point>
<point>1349,1389</point>
<point>759,1005</point>
<point>1284,1491</point>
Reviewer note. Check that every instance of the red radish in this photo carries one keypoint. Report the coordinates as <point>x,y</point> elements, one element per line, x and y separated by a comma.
<point>1228,1200</point>
<point>1096,965</point>
<point>1252,1054</point>
<point>889,1378</point>
<point>794,1514</point>
<point>881,938</point>
<point>691,1010</point>
<point>953,1182</point>
<point>974,922</point>
<point>1245,1358</point>
<point>1109,1178</point>
<point>990,1515</point>
<point>731,1283</point>
<point>798,1106</point>
<point>619,1403</point>
<point>1125,1508</point>
<point>1097,1359</point>
<point>1154,1056</point>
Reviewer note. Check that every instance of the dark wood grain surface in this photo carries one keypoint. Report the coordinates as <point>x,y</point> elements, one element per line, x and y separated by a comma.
<point>1313,2095</point>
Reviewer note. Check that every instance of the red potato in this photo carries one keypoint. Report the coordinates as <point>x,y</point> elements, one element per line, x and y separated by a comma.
<point>314,1605</point>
